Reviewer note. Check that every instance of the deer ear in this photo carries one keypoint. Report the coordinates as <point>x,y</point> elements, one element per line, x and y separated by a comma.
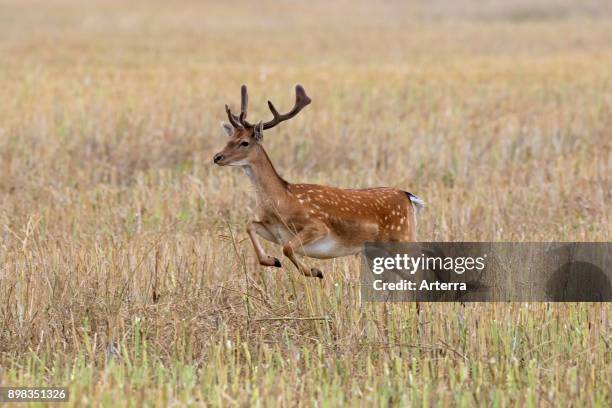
<point>229,129</point>
<point>258,132</point>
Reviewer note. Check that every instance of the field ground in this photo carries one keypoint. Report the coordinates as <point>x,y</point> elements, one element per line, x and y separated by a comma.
<point>125,273</point>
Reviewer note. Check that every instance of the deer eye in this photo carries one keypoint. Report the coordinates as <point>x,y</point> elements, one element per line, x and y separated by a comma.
<point>244,143</point>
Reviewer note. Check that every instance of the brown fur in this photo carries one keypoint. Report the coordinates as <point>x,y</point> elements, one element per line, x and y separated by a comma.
<point>298,216</point>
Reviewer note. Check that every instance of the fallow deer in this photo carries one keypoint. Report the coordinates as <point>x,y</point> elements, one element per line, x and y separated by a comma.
<point>313,220</point>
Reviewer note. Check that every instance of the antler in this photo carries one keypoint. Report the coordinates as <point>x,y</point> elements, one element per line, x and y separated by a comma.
<point>301,101</point>
<point>234,120</point>
<point>240,122</point>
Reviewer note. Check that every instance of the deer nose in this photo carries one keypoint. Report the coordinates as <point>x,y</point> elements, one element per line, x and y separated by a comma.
<point>218,157</point>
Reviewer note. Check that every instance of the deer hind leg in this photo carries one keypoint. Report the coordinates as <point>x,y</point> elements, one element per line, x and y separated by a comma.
<point>305,237</point>
<point>255,228</point>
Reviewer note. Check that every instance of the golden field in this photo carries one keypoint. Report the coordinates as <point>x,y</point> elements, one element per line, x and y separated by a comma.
<point>125,272</point>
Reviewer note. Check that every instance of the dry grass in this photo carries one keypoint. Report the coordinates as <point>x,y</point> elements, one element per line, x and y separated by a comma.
<point>116,232</point>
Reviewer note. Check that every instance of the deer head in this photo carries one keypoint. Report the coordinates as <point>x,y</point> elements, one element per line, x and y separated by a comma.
<point>245,138</point>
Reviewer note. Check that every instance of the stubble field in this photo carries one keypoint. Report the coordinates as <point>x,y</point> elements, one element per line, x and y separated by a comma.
<point>125,272</point>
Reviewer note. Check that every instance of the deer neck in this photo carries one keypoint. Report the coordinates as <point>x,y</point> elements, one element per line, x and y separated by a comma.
<point>269,186</point>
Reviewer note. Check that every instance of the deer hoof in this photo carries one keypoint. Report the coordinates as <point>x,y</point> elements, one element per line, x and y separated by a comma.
<point>316,273</point>
<point>277,263</point>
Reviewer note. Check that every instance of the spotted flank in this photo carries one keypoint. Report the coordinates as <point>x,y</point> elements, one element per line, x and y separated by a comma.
<point>417,202</point>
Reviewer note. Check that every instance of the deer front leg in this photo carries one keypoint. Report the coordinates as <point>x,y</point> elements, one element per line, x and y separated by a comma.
<point>304,237</point>
<point>253,228</point>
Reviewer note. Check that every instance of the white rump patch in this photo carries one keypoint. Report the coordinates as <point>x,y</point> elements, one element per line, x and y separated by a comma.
<point>417,202</point>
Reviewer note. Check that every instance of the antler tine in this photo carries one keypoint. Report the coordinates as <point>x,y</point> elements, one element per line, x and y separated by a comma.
<point>233,119</point>
<point>301,101</point>
<point>244,100</point>
<point>244,104</point>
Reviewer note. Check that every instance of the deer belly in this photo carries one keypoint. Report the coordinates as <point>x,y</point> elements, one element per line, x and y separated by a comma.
<point>327,247</point>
